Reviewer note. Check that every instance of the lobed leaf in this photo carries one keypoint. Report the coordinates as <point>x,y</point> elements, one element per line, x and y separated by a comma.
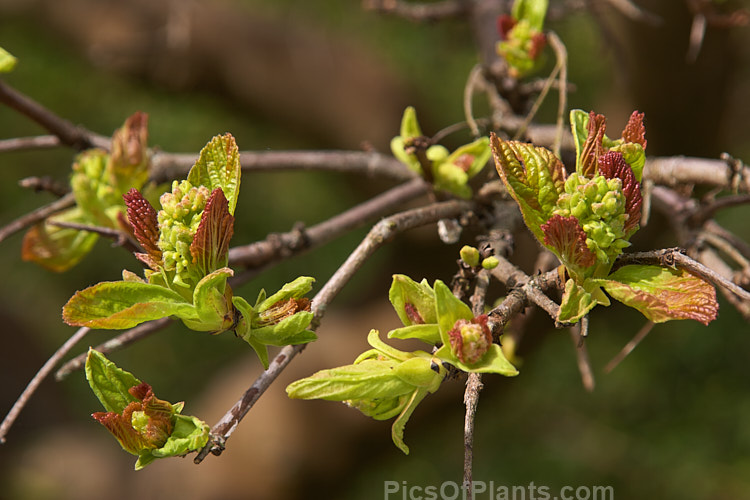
<point>575,304</point>
<point>662,294</point>
<point>533,176</point>
<point>124,304</point>
<point>219,167</point>
<point>592,148</point>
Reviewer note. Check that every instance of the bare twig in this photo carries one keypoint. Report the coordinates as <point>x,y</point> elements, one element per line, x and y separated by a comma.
<point>418,11</point>
<point>166,166</point>
<point>119,237</point>
<point>37,215</point>
<point>675,170</point>
<point>24,143</point>
<point>37,380</point>
<point>523,290</point>
<point>69,134</point>
<point>381,233</point>
<point>45,183</point>
<point>275,247</point>
<point>645,330</point>
<point>582,358</point>
<point>739,244</point>
<point>634,12</point>
<point>124,339</point>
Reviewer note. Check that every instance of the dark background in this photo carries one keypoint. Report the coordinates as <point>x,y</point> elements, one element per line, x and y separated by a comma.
<point>672,421</point>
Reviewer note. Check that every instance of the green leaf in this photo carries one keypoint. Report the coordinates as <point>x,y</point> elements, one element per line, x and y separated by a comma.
<point>533,176</point>
<point>211,304</point>
<point>7,61</point>
<point>662,294</point>
<point>532,11</point>
<point>473,157</point>
<point>120,304</point>
<point>210,245</point>
<point>429,333</point>
<point>634,155</point>
<point>397,429</point>
<point>366,380</point>
<point>219,167</point>
<point>449,177</point>
<point>244,331</point>
<point>579,125</point>
<point>449,310</point>
<point>109,383</point>
<point>294,290</point>
<point>418,371</point>
<point>414,302</point>
<point>289,331</point>
<point>189,434</point>
<point>409,124</point>
<point>576,303</point>
<point>494,361</point>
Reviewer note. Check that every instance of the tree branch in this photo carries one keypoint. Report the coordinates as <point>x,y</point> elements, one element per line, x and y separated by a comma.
<point>69,134</point>
<point>24,143</point>
<point>418,11</point>
<point>37,380</point>
<point>37,215</point>
<point>381,233</point>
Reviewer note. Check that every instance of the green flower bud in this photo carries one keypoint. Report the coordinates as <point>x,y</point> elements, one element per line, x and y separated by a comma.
<point>470,340</point>
<point>490,262</point>
<point>470,255</point>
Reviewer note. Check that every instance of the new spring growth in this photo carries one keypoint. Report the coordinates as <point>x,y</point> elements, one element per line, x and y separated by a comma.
<point>447,171</point>
<point>382,383</point>
<point>186,246</point>
<point>587,218</point>
<point>98,181</point>
<point>144,425</point>
<point>470,256</point>
<point>521,37</point>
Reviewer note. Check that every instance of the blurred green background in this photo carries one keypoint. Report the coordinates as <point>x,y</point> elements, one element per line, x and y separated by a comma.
<point>672,421</point>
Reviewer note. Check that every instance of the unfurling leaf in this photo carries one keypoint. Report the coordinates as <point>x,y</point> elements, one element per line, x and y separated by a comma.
<point>143,424</point>
<point>662,294</point>
<point>124,304</point>
<point>567,239</point>
<point>635,130</point>
<point>210,244</point>
<point>613,165</point>
<point>7,61</point>
<point>414,302</point>
<point>592,148</point>
<point>58,248</point>
<point>219,167</point>
<point>142,218</point>
<point>534,176</point>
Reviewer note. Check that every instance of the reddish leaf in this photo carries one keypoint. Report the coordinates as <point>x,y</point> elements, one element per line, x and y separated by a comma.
<point>568,239</point>
<point>613,165</point>
<point>635,130</point>
<point>211,242</point>
<point>129,142</point>
<point>505,23</point>
<point>145,224</point>
<point>593,148</point>
<point>662,294</point>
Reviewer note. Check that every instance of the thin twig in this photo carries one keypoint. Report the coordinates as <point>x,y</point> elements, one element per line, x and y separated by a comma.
<point>46,183</point>
<point>275,247</point>
<point>473,387</point>
<point>124,339</point>
<point>475,76</point>
<point>69,134</point>
<point>645,330</point>
<point>634,12</point>
<point>725,247</point>
<point>166,166</point>
<point>582,357</point>
<point>25,143</point>
<point>381,233</point>
<point>37,380</point>
<point>713,227</point>
<point>418,11</point>
<point>119,237</point>
<point>37,215</point>
<point>561,56</point>
<point>707,211</point>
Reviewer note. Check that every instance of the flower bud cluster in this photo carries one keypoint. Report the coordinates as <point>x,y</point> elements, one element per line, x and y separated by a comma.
<point>178,220</point>
<point>599,206</point>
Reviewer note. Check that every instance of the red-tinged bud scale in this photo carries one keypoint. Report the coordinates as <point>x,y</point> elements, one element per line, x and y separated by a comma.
<point>282,310</point>
<point>470,340</point>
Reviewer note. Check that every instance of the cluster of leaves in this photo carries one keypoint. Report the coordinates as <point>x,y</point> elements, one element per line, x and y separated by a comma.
<point>521,37</point>
<point>447,171</point>
<point>385,382</point>
<point>587,218</point>
<point>98,181</point>
<point>186,247</point>
<point>145,426</point>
